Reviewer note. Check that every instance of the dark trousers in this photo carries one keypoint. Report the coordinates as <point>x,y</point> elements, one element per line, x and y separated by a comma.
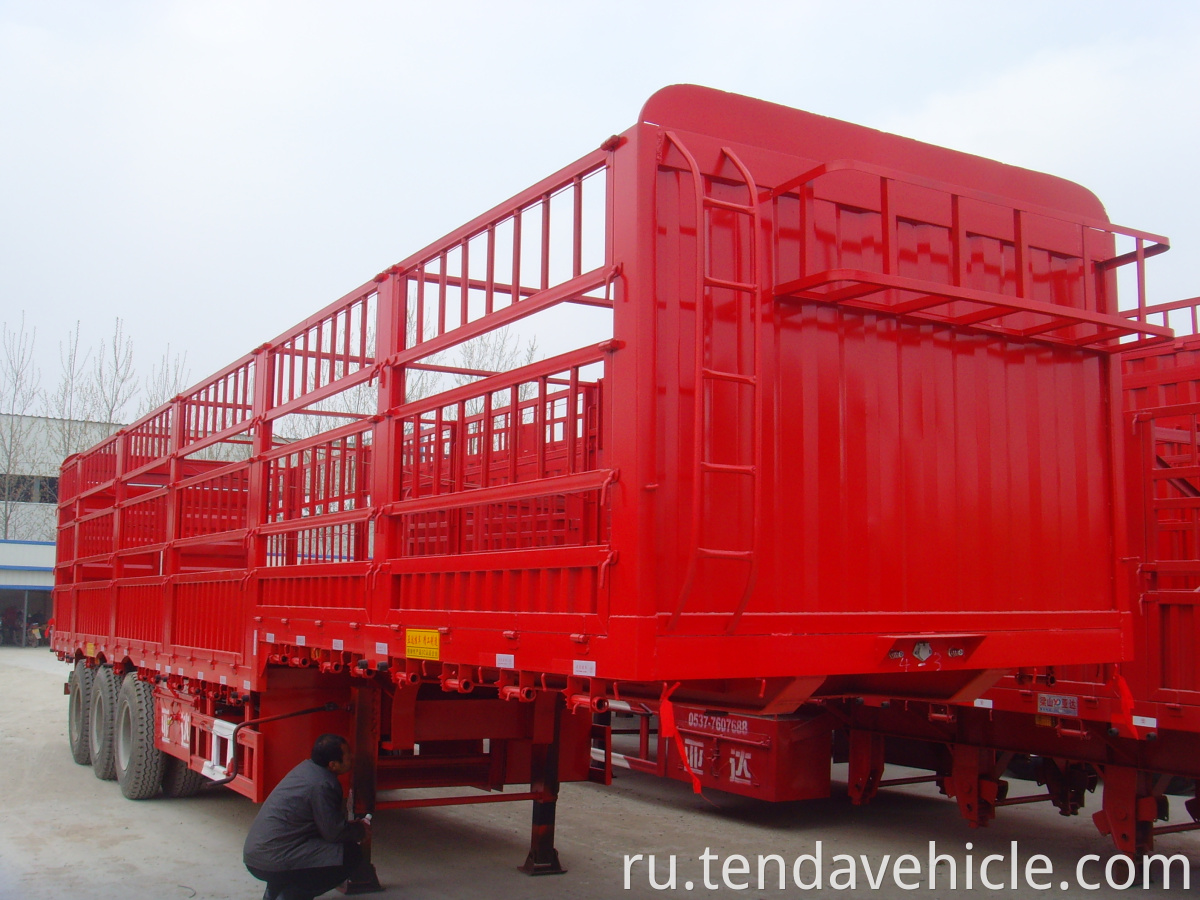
<point>305,884</point>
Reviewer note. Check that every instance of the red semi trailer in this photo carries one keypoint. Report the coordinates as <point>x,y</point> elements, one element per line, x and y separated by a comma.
<point>840,420</point>
<point>1132,727</point>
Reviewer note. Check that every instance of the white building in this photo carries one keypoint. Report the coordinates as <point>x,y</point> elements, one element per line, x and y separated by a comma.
<point>32,449</point>
<point>26,577</point>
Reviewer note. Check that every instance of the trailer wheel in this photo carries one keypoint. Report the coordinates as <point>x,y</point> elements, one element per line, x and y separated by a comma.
<point>102,720</point>
<point>79,683</point>
<point>139,764</point>
<point>180,781</point>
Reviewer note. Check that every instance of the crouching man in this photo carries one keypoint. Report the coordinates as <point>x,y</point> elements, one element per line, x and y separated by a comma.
<point>300,843</point>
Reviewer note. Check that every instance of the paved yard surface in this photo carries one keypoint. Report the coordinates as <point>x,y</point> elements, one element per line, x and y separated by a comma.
<point>65,834</point>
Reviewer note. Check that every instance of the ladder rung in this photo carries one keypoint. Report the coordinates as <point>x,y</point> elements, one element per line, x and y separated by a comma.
<point>724,554</point>
<point>726,468</point>
<point>710,281</point>
<point>718,375</point>
<point>729,205</point>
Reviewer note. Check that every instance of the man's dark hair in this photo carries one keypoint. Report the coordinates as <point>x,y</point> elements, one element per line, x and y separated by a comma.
<point>327,749</point>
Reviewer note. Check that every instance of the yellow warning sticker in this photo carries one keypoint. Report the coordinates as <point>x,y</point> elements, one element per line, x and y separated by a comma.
<point>89,650</point>
<point>422,643</point>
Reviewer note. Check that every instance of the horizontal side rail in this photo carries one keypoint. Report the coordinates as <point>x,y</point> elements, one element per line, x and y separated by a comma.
<point>571,557</point>
<point>502,380</point>
<point>854,286</point>
<point>998,304</point>
<point>594,480</point>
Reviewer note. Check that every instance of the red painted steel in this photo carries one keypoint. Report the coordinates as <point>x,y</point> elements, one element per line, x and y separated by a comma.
<point>1129,726</point>
<point>777,758</point>
<point>853,431</point>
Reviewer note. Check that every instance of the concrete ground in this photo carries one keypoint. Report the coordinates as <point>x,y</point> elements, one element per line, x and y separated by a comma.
<point>65,834</point>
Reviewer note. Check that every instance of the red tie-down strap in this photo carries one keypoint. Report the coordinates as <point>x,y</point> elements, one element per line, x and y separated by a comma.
<point>666,724</point>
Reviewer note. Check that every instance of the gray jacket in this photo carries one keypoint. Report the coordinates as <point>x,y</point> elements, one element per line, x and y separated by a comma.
<point>302,825</point>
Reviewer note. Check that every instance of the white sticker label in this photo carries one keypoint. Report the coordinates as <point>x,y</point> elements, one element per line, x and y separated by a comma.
<point>381,648</point>
<point>223,680</point>
<point>1145,722</point>
<point>168,670</point>
<point>200,675</point>
<point>983,703</point>
<point>505,661</point>
<point>300,639</point>
<point>270,637</point>
<point>337,644</point>
<point>245,685</point>
<point>158,667</point>
<point>584,667</point>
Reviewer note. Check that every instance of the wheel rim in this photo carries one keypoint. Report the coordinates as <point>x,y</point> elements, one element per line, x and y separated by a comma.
<point>94,724</point>
<point>124,737</point>
<point>75,714</point>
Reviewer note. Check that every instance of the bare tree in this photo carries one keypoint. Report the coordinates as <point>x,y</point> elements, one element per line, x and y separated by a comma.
<point>113,378</point>
<point>496,351</point>
<point>361,400</point>
<point>419,383</point>
<point>20,387</point>
<point>72,403</point>
<point>169,376</point>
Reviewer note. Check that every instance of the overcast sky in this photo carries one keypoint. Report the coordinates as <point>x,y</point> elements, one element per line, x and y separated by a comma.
<point>213,172</point>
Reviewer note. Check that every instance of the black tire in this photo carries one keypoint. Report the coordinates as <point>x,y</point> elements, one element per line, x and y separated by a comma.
<point>103,719</point>
<point>79,684</point>
<point>138,762</point>
<point>180,781</point>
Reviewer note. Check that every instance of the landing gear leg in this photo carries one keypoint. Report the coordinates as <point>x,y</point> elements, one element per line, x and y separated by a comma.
<point>366,753</point>
<point>866,765</point>
<point>543,858</point>
<point>1131,805</point>
<point>974,782</point>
